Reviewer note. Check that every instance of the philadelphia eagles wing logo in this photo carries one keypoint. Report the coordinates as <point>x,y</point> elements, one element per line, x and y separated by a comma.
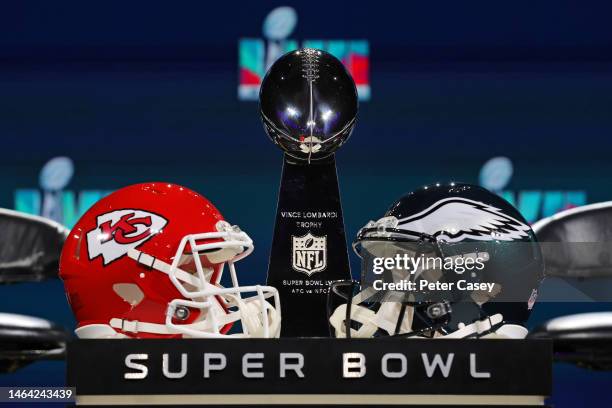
<point>455,219</point>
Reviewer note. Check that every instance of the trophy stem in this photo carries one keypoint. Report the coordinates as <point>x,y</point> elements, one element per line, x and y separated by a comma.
<point>309,245</point>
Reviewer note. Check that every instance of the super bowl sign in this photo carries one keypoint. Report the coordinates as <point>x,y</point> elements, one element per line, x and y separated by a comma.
<point>256,55</point>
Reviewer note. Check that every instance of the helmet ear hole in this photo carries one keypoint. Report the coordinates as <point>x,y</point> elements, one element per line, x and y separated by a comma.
<point>129,292</point>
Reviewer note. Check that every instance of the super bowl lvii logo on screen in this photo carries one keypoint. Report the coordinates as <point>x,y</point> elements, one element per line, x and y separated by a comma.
<point>256,55</point>
<point>533,204</point>
<point>54,199</point>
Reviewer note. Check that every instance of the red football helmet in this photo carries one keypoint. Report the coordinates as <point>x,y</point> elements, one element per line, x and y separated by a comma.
<point>147,261</point>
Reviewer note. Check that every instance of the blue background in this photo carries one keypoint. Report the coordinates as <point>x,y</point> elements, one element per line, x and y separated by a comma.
<point>145,91</point>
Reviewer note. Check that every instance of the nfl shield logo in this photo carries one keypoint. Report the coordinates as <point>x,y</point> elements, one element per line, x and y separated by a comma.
<point>309,253</point>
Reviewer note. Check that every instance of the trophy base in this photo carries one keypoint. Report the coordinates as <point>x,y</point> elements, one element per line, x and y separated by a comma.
<point>309,246</point>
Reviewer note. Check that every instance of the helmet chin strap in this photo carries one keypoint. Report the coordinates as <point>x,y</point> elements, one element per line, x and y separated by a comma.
<point>489,327</point>
<point>98,331</point>
<point>508,331</point>
<point>258,317</point>
<point>386,318</point>
<point>161,266</point>
<point>254,317</point>
<point>475,329</point>
<point>360,314</point>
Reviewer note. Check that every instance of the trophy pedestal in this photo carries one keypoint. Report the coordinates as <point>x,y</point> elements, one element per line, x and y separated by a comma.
<point>310,372</point>
<point>309,246</point>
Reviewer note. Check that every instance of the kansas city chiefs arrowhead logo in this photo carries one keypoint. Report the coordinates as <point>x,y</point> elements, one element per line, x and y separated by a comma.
<point>121,230</point>
<point>455,219</point>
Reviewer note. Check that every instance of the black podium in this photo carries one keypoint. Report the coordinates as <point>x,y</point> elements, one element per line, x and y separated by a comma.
<point>311,372</point>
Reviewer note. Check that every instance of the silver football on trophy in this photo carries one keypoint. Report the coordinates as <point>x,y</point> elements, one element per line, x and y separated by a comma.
<point>308,104</point>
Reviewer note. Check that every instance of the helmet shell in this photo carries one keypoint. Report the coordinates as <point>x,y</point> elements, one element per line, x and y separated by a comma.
<point>466,218</point>
<point>150,217</point>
